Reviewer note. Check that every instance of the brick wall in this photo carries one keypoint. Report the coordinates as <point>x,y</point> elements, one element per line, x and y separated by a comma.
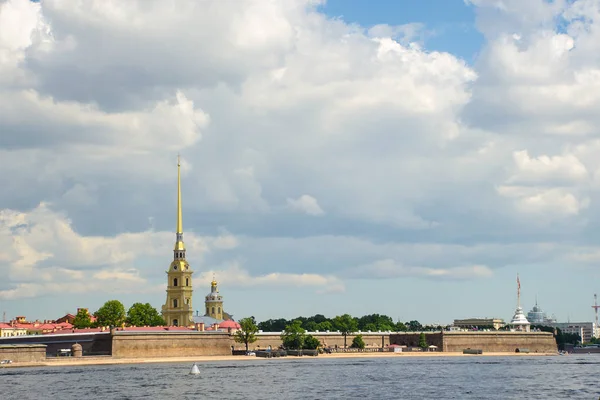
<point>170,344</point>
<point>23,353</point>
<point>331,339</point>
<point>536,342</point>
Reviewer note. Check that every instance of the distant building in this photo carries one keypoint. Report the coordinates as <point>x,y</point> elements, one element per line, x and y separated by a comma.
<point>468,323</point>
<point>7,330</point>
<point>70,317</point>
<point>585,330</point>
<point>538,317</point>
<point>21,327</point>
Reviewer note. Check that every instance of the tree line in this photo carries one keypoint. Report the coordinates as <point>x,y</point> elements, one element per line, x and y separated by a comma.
<point>371,322</point>
<point>113,313</point>
<point>294,334</point>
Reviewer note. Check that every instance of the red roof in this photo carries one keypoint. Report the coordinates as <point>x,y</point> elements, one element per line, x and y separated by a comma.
<point>4,326</point>
<point>229,324</point>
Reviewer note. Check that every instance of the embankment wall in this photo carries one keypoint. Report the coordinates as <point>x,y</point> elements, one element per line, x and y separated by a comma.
<point>500,341</point>
<point>495,341</point>
<point>327,339</point>
<point>23,352</point>
<point>170,344</point>
<point>92,343</point>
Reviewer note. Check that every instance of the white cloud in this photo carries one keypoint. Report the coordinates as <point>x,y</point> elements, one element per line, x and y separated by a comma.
<point>390,269</point>
<point>42,254</point>
<point>548,203</point>
<point>415,156</point>
<point>234,276</point>
<point>545,168</point>
<point>306,204</point>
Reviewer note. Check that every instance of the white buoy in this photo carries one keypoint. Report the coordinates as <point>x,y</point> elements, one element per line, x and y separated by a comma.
<point>195,370</point>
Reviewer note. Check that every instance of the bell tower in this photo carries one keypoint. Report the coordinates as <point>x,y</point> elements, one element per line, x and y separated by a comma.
<point>178,310</point>
<point>214,302</point>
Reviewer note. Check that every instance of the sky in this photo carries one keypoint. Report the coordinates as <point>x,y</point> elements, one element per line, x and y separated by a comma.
<point>394,157</point>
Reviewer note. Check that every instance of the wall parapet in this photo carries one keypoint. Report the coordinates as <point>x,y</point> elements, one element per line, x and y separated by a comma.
<point>23,352</point>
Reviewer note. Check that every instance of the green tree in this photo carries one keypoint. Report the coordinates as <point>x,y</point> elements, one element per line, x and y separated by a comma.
<point>414,326</point>
<point>376,322</point>
<point>82,319</point>
<point>371,327</point>
<point>273,325</point>
<point>400,327</point>
<point>112,313</point>
<point>422,341</point>
<point>311,343</point>
<point>293,335</point>
<point>140,314</point>
<point>310,326</point>
<point>358,342</point>
<point>324,326</point>
<point>346,325</point>
<point>247,334</point>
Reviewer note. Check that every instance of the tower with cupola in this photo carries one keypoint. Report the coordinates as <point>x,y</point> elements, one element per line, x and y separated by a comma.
<point>178,311</point>
<point>214,302</point>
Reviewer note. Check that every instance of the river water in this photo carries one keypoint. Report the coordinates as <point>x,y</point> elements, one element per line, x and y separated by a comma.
<point>474,377</point>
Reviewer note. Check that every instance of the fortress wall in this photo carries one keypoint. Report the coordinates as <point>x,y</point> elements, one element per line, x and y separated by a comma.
<point>23,352</point>
<point>91,342</point>
<point>411,339</point>
<point>500,341</point>
<point>170,344</point>
<point>331,339</point>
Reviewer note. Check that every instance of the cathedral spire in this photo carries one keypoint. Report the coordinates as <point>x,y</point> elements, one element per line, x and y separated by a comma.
<point>179,246</point>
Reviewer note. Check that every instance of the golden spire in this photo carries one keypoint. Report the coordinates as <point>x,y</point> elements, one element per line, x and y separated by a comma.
<point>179,219</point>
<point>179,243</point>
<point>214,281</point>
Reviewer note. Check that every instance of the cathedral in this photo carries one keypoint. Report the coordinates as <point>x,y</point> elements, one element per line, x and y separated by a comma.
<point>178,311</point>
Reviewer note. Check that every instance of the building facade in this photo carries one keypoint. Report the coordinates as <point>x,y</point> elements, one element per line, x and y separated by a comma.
<point>468,323</point>
<point>538,317</point>
<point>585,330</point>
<point>177,310</point>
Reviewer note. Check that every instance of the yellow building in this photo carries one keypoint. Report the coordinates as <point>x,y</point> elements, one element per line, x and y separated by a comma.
<point>214,302</point>
<point>7,330</point>
<point>177,310</point>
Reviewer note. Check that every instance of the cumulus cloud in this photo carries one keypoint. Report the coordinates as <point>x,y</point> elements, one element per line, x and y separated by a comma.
<point>42,254</point>
<point>390,269</point>
<point>551,169</point>
<point>306,204</point>
<point>408,156</point>
<point>234,276</point>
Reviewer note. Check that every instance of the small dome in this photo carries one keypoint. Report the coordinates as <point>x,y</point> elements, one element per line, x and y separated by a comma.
<point>229,324</point>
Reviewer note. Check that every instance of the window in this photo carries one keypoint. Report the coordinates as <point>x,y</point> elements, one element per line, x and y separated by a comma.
<point>175,282</point>
<point>187,301</point>
<point>175,303</point>
<point>206,310</point>
<point>175,322</point>
<point>219,310</point>
<point>187,282</point>
<point>213,310</point>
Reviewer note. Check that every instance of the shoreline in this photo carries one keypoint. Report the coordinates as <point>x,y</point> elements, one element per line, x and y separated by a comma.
<point>109,360</point>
